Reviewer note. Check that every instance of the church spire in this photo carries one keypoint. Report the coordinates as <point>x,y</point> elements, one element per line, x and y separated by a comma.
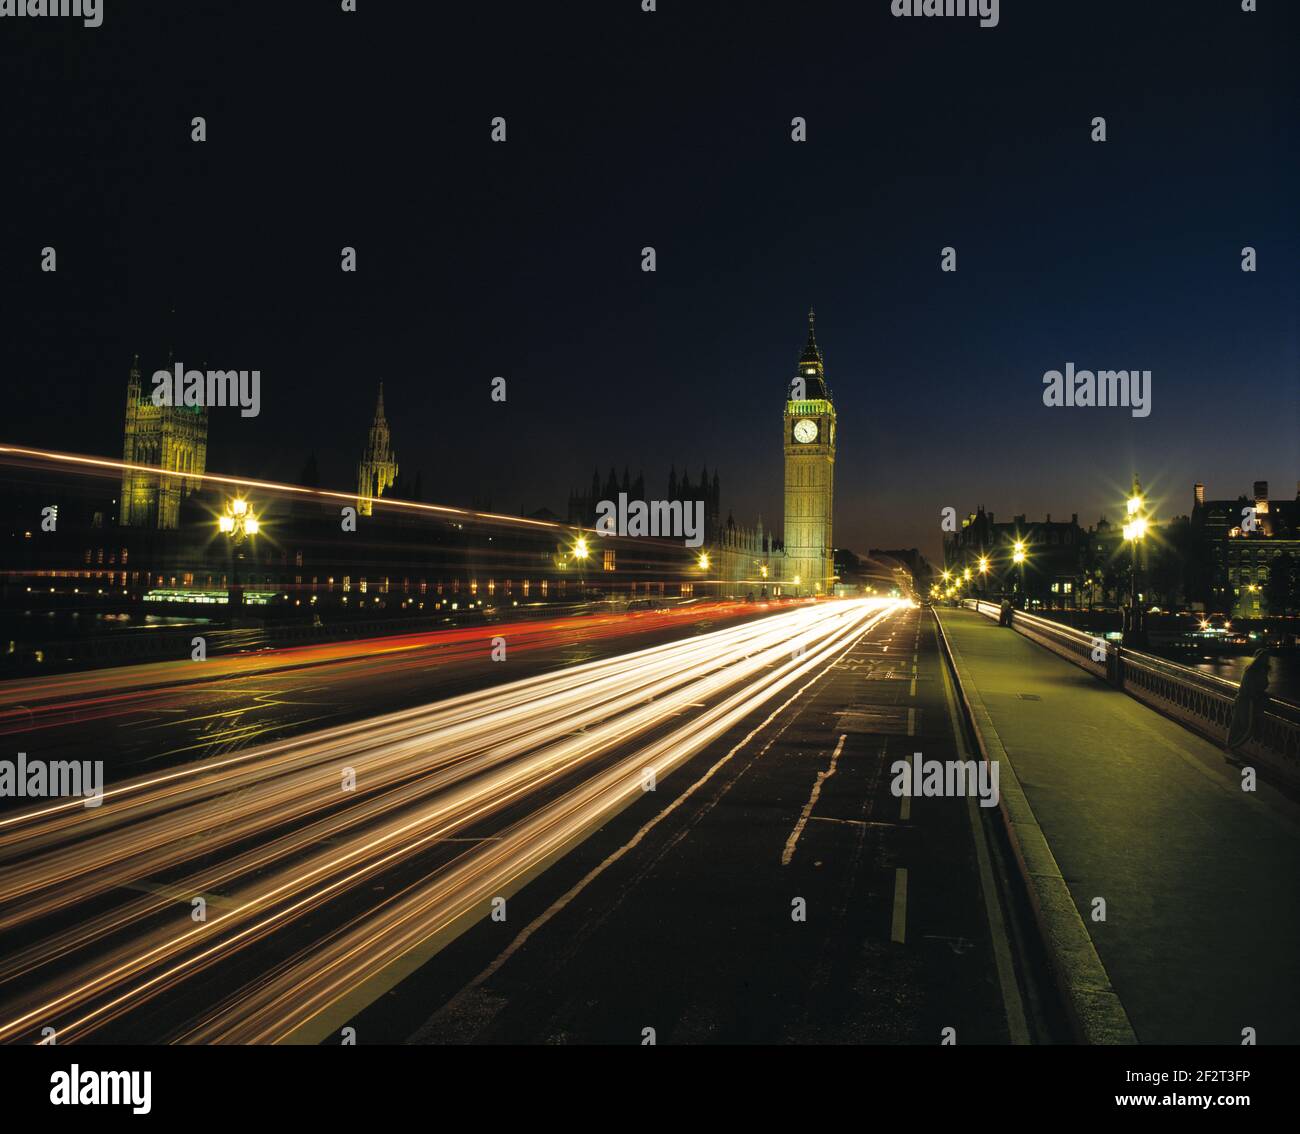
<point>379,405</point>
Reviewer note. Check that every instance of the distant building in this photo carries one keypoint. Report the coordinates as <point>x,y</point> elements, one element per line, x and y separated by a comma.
<point>1053,566</point>
<point>1242,540</point>
<point>746,559</point>
<point>906,566</point>
<point>174,438</point>
<point>583,504</point>
<point>909,557</point>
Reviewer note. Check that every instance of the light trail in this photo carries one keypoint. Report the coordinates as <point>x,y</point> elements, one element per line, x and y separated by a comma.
<point>545,759</point>
<point>24,699</point>
<point>106,465</point>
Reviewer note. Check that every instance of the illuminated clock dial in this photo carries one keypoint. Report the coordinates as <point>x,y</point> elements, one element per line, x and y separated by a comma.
<point>805,431</point>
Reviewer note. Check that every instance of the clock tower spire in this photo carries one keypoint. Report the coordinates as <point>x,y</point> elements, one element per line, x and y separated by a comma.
<point>809,419</point>
<point>811,366</point>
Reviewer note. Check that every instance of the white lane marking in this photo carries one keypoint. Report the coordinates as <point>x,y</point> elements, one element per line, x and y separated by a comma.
<point>822,777</point>
<point>852,822</point>
<point>911,722</point>
<point>898,931</point>
<point>912,691</point>
<point>905,808</point>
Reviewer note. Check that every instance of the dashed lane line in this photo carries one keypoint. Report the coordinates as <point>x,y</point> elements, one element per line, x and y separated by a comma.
<point>898,931</point>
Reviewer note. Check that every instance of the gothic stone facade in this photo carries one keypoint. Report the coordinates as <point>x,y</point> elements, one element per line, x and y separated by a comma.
<point>174,438</point>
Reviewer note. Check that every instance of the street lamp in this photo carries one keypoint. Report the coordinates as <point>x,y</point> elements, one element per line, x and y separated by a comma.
<point>1018,557</point>
<point>237,522</point>
<point>1134,532</point>
<point>702,562</point>
<point>580,552</point>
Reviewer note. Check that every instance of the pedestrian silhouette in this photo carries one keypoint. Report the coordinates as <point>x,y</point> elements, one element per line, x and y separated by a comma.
<point>1248,708</point>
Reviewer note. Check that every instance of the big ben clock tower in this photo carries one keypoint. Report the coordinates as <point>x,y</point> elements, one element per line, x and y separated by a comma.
<point>809,476</point>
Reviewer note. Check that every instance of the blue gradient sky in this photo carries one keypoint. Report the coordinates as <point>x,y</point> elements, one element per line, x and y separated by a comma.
<point>672,130</point>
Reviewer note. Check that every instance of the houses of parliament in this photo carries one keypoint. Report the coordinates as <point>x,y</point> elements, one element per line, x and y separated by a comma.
<point>802,562</point>
<point>734,559</point>
<point>175,438</point>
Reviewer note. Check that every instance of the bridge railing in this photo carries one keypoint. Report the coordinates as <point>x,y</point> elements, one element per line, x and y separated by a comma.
<point>1204,703</point>
<point>1073,645</point>
<point>1199,701</point>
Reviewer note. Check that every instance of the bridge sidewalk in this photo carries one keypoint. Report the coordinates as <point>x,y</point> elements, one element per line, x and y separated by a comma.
<point>1199,877</point>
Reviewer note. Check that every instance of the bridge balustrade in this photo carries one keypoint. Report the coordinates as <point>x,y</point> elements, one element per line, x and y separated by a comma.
<point>1073,645</point>
<point>1197,700</point>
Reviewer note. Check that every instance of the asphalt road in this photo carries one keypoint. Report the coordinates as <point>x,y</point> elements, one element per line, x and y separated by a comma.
<point>677,916</point>
<point>500,872</point>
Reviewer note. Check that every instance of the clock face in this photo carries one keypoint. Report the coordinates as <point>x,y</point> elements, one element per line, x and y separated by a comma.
<point>805,431</point>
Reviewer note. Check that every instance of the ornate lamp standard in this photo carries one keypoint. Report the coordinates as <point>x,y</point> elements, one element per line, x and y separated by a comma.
<point>238,523</point>
<point>1135,530</point>
<point>581,552</point>
<point>1018,556</point>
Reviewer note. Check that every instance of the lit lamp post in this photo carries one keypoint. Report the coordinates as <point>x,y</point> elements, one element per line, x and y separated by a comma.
<point>237,523</point>
<point>984,576</point>
<point>1018,557</point>
<point>702,562</point>
<point>581,552</point>
<point>1135,530</point>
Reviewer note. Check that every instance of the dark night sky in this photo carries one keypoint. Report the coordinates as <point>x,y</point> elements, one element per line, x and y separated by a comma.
<point>672,130</point>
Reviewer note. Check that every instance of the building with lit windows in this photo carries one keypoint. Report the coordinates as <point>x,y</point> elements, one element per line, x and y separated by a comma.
<point>1251,547</point>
